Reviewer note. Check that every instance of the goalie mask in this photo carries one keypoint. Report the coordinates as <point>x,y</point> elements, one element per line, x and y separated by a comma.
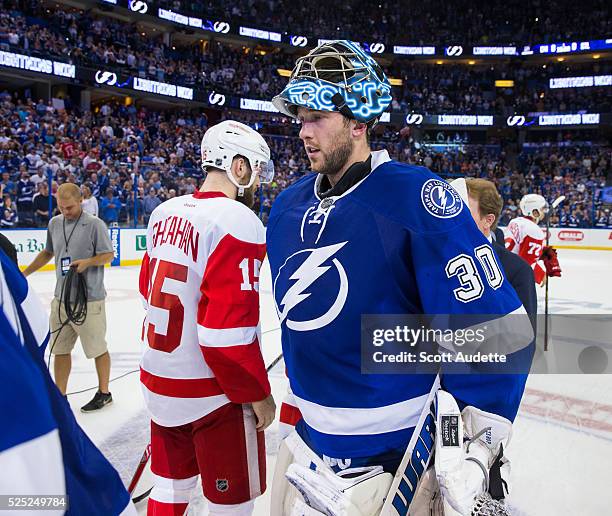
<point>228,139</point>
<point>337,76</point>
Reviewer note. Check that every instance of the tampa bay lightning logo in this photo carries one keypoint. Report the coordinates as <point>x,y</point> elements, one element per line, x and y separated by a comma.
<point>311,272</point>
<point>440,199</point>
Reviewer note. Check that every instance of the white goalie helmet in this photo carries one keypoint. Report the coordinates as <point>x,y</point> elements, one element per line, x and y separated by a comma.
<point>532,202</point>
<point>228,139</point>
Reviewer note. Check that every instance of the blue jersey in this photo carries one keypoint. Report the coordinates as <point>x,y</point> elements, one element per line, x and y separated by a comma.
<point>43,451</point>
<point>400,241</point>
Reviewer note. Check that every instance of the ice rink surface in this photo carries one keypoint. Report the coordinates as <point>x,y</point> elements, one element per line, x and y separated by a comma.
<point>561,448</point>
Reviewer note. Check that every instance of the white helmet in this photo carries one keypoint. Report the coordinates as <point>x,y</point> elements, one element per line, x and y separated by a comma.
<point>532,202</point>
<point>228,139</point>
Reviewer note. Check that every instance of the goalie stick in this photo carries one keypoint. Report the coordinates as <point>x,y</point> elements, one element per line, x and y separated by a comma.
<point>415,461</point>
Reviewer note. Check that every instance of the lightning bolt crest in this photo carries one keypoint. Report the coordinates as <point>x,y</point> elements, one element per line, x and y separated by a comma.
<point>305,275</point>
<point>441,193</point>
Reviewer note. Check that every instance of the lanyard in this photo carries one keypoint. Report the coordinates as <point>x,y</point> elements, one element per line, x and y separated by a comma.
<point>67,240</point>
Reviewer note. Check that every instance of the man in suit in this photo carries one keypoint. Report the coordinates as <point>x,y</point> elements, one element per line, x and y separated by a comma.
<point>485,205</point>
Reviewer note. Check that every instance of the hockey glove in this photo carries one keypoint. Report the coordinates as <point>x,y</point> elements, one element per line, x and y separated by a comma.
<point>551,262</point>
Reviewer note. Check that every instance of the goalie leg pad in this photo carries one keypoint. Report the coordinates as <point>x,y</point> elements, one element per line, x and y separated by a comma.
<point>283,494</point>
<point>469,445</point>
<point>302,478</point>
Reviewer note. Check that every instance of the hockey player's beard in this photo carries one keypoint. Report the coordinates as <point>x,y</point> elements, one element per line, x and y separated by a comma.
<point>248,198</point>
<point>335,159</point>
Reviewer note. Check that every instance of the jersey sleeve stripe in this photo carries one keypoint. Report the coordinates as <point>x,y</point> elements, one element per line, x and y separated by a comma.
<point>180,387</point>
<point>362,421</point>
<point>221,338</point>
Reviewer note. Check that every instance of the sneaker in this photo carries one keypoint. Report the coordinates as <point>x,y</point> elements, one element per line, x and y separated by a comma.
<point>100,400</point>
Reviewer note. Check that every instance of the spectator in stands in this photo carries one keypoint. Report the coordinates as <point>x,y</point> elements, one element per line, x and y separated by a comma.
<point>8,187</point>
<point>151,202</point>
<point>109,208</point>
<point>603,220</point>
<point>9,217</point>
<point>41,205</point>
<point>25,194</point>
<point>39,176</point>
<point>89,203</point>
<point>33,160</point>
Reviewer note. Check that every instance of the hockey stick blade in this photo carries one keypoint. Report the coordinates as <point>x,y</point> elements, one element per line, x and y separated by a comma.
<point>141,497</point>
<point>558,201</point>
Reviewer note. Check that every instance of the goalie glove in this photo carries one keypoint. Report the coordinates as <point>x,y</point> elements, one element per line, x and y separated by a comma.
<point>551,262</point>
<point>469,463</point>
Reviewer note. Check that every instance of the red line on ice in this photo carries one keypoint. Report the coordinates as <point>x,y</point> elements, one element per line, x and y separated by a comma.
<point>574,411</point>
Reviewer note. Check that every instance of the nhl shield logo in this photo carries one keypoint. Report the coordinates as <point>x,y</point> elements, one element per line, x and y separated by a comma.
<point>222,485</point>
<point>440,199</point>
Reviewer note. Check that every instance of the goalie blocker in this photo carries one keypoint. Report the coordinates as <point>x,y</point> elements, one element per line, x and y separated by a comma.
<point>466,475</point>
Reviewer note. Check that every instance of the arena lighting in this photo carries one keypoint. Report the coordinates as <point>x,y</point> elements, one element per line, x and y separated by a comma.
<point>395,82</point>
<point>283,72</point>
<point>439,62</point>
<point>471,62</point>
<point>504,83</point>
<point>596,56</point>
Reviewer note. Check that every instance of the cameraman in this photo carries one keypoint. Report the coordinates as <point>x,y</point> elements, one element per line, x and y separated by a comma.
<point>80,241</point>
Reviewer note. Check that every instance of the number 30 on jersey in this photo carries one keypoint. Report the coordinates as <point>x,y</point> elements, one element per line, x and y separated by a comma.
<point>464,267</point>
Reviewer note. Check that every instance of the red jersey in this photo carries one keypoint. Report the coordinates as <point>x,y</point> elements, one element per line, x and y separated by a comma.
<point>200,284</point>
<point>68,149</point>
<point>526,239</point>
